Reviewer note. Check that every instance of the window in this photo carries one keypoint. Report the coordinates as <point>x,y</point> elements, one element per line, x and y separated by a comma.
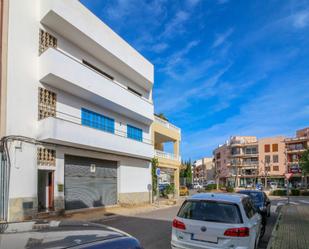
<point>211,211</point>
<point>97,121</point>
<point>47,103</point>
<point>267,159</point>
<point>275,168</point>
<point>46,40</point>
<point>267,148</point>
<point>251,150</point>
<point>134,91</point>
<point>248,206</point>
<point>275,158</point>
<point>134,133</point>
<point>97,69</point>
<point>218,155</point>
<point>235,151</point>
<point>275,147</point>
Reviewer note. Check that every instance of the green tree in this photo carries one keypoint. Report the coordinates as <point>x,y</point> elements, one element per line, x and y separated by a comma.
<point>304,161</point>
<point>161,115</point>
<point>154,163</point>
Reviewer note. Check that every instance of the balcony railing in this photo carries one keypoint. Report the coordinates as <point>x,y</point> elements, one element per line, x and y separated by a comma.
<point>167,124</point>
<point>166,155</point>
<point>78,120</point>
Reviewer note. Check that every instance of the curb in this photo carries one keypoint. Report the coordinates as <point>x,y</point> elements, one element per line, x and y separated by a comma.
<point>274,231</point>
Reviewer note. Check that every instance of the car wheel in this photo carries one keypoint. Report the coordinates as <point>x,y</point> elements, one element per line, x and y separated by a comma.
<point>262,231</point>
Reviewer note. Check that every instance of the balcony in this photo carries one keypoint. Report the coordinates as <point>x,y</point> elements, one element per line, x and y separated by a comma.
<point>77,24</point>
<point>72,133</point>
<point>166,155</point>
<point>166,124</point>
<point>61,71</point>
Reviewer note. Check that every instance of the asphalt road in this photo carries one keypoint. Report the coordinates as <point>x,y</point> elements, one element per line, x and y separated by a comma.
<point>153,229</point>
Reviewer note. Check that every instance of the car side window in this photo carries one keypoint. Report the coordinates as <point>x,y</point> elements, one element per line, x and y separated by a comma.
<point>248,207</point>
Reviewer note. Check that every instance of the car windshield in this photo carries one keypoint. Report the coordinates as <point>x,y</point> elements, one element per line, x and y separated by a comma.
<point>256,197</point>
<point>211,211</point>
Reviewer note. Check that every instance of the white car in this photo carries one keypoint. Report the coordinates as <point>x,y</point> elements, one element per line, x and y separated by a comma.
<point>216,220</point>
<point>197,186</point>
<point>273,185</point>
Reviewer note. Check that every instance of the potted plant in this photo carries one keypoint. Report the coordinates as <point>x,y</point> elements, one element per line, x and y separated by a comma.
<point>169,191</point>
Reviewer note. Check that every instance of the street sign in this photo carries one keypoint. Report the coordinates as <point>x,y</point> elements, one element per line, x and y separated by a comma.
<point>288,175</point>
<point>158,171</point>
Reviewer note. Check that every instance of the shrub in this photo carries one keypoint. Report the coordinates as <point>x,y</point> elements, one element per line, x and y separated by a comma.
<point>305,193</point>
<point>170,189</point>
<point>279,192</point>
<point>295,192</point>
<point>230,189</point>
<point>211,187</point>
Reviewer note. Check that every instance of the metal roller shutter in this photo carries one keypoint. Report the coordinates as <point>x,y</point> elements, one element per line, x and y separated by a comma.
<point>84,188</point>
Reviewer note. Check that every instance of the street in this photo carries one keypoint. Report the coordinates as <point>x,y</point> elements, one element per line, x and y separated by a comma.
<point>153,229</point>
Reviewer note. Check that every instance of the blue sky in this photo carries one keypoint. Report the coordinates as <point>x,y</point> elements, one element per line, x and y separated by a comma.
<point>222,67</point>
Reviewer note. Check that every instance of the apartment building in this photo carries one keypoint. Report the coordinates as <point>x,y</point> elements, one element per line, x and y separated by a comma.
<point>222,163</point>
<point>204,170</point>
<point>295,146</point>
<point>76,112</point>
<point>163,132</point>
<point>250,160</point>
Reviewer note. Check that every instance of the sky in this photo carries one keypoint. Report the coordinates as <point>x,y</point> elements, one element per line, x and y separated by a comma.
<point>222,67</point>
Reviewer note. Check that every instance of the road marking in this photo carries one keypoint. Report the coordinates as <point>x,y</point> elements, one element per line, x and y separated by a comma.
<point>295,203</point>
<point>303,201</point>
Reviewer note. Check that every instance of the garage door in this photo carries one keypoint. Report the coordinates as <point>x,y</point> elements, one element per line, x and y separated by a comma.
<point>89,182</point>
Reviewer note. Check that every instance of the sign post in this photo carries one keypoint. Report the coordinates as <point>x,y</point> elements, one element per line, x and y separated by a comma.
<point>158,172</point>
<point>288,176</point>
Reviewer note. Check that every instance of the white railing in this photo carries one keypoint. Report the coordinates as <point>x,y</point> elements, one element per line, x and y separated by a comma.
<point>167,124</point>
<point>166,155</point>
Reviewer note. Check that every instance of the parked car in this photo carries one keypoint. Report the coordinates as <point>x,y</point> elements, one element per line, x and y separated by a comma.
<point>64,234</point>
<point>197,186</point>
<point>216,220</point>
<point>273,185</point>
<point>249,185</point>
<point>162,187</point>
<point>183,190</point>
<point>259,186</point>
<point>261,202</point>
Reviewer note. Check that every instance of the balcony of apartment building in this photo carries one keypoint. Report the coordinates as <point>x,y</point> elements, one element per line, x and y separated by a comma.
<point>92,131</point>
<point>75,23</point>
<point>295,147</point>
<point>163,133</point>
<point>62,71</point>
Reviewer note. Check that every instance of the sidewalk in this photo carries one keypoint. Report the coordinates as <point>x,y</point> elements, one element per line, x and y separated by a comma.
<point>111,212</point>
<point>292,228</point>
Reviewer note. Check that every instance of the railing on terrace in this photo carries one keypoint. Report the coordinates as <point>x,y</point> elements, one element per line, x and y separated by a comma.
<point>98,126</point>
<point>166,155</point>
<point>167,124</point>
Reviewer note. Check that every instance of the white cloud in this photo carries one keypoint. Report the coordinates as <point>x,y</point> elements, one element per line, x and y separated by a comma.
<point>301,19</point>
<point>176,24</point>
<point>159,47</point>
<point>221,38</point>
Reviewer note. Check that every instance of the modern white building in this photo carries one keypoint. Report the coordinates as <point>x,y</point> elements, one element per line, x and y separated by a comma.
<point>76,111</point>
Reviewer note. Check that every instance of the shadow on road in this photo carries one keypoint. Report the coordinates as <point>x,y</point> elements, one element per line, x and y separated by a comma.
<point>152,233</point>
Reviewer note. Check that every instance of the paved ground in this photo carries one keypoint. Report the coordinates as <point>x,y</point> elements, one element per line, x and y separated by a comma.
<point>153,228</point>
<point>293,226</point>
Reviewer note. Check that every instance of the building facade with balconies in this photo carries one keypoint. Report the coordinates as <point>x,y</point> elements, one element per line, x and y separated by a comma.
<point>76,112</point>
<point>164,132</point>
<point>204,170</point>
<point>294,147</point>
<point>250,160</point>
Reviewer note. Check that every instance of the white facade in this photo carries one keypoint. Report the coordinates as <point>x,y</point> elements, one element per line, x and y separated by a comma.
<point>80,36</point>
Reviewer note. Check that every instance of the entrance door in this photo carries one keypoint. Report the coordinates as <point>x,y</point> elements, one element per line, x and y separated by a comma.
<point>45,190</point>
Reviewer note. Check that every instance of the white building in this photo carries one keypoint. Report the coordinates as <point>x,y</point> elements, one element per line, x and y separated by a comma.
<point>76,111</point>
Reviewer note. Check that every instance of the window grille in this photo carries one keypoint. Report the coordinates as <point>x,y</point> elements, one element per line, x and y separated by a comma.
<point>46,40</point>
<point>47,103</point>
<point>46,157</point>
